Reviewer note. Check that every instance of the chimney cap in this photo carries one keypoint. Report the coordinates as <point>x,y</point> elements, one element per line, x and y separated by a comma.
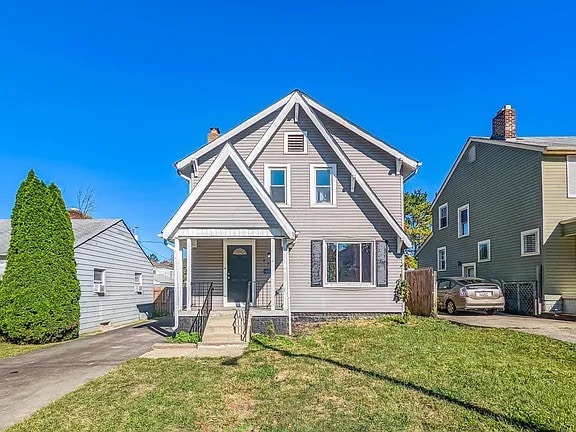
<point>215,129</point>
<point>507,106</point>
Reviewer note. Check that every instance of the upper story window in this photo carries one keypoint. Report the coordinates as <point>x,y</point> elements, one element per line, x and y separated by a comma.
<point>571,176</point>
<point>295,142</point>
<point>138,283</point>
<point>323,185</point>
<point>443,216</point>
<point>349,263</point>
<point>464,221</point>
<point>472,153</point>
<point>99,281</point>
<point>530,242</point>
<point>441,258</point>
<point>277,183</point>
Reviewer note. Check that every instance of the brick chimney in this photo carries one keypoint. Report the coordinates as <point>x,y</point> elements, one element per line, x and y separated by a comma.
<point>504,124</point>
<point>74,213</point>
<point>213,134</point>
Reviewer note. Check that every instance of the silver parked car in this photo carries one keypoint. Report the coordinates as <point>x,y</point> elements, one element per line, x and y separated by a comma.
<point>469,293</point>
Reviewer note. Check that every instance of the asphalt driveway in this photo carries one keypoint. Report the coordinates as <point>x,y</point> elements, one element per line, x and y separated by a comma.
<point>29,382</point>
<point>555,329</point>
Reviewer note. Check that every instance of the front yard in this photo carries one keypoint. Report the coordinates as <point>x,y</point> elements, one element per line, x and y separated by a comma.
<point>363,376</point>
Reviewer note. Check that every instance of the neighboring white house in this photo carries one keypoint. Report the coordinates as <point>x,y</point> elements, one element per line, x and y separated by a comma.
<point>297,209</point>
<point>114,272</point>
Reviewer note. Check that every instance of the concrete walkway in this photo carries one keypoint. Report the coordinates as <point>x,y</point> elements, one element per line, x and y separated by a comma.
<point>555,329</point>
<point>31,381</point>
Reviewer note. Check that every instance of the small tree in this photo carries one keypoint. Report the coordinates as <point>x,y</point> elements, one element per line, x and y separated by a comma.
<point>417,222</point>
<point>39,295</point>
<point>153,258</point>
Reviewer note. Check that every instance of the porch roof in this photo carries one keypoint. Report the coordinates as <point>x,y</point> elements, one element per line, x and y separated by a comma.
<point>195,233</point>
<point>569,227</point>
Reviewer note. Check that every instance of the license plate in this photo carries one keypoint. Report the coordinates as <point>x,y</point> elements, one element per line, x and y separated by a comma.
<point>484,294</point>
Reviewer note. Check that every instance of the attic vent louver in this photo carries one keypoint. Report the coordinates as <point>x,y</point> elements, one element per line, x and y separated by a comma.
<point>295,142</point>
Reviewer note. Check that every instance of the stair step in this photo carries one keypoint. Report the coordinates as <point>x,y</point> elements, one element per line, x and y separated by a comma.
<point>222,339</point>
<point>219,329</point>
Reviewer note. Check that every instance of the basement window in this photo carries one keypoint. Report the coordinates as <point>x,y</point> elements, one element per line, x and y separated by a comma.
<point>295,142</point>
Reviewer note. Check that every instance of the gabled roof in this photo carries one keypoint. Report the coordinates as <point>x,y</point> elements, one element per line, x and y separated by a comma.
<point>227,153</point>
<point>539,144</point>
<point>84,230</point>
<point>283,107</point>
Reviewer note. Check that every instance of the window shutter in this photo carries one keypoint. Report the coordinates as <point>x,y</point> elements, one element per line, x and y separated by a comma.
<point>316,263</point>
<point>571,175</point>
<point>381,263</point>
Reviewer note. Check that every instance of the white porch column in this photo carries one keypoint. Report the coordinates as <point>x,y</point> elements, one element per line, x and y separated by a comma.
<point>273,274</point>
<point>178,280</point>
<point>286,268</point>
<point>188,274</point>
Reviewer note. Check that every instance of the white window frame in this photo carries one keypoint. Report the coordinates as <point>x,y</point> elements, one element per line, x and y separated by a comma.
<point>443,248</point>
<point>472,154</point>
<point>304,134</point>
<point>523,234</point>
<point>101,282</point>
<point>333,184</point>
<point>470,264</point>
<point>287,179</point>
<point>349,284</point>
<point>138,285</point>
<point>445,205</point>
<point>487,242</point>
<point>570,175</point>
<point>460,210</point>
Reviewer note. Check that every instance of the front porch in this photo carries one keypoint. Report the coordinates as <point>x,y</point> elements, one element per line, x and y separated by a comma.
<point>239,277</point>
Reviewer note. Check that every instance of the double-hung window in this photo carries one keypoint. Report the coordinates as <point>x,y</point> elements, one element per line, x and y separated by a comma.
<point>441,259</point>
<point>464,221</point>
<point>138,283</point>
<point>443,216</point>
<point>99,281</point>
<point>323,185</point>
<point>530,242</point>
<point>349,263</point>
<point>277,183</point>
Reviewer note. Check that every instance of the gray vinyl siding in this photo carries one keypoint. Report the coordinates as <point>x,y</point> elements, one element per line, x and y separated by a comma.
<point>354,218</point>
<point>214,209</point>
<point>207,259</point>
<point>116,252</point>
<point>503,189</point>
<point>559,252</point>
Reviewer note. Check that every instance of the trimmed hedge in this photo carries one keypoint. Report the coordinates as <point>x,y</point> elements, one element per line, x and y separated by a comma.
<point>40,292</point>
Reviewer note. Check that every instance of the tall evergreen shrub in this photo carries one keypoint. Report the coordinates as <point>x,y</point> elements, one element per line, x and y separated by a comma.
<point>39,295</point>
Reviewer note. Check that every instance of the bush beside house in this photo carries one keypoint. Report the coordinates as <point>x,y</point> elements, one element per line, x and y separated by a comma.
<point>40,292</point>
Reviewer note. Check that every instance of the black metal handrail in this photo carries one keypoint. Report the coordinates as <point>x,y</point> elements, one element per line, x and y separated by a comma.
<point>199,323</point>
<point>262,296</point>
<point>245,333</point>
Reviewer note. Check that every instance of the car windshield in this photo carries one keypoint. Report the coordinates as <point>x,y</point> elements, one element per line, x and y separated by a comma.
<point>469,281</point>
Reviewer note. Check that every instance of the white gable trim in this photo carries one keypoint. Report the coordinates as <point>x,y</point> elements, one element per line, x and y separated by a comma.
<point>232,133</point>
<point>358,131</point>
<point>227,152</point>
<point>353,171</point>
<point>263,142</point>
<point>484,141</point>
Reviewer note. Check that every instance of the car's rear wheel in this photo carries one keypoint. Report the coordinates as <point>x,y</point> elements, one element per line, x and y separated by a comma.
<point>490,311</point>
<point>450,307</point>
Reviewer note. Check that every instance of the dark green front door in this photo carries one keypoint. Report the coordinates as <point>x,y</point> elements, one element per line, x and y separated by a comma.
<point>239,272</point>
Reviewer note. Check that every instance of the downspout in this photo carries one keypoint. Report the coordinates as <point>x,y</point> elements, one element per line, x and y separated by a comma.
<point>288,290</point>
<point>176,317</point>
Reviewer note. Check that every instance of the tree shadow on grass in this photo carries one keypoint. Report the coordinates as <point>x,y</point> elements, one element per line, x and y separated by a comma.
<point>411,386</point>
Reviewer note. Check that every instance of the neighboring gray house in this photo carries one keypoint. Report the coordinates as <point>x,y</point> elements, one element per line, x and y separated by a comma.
<point>298,204</point>
<point>114,272</point>
<point>507,211</point>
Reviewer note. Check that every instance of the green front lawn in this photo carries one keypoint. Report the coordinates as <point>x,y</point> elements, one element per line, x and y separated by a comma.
<point>362,376</point>
<point>11,350</point>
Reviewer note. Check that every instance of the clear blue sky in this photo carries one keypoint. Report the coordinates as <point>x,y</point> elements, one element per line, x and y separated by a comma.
<point>109,94</point>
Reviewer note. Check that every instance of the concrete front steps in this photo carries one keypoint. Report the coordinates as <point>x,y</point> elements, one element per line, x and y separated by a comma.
<point>220,329</point>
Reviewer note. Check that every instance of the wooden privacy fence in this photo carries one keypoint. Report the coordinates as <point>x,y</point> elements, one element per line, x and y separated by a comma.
<point>163,300</point>
<point>423,296</point>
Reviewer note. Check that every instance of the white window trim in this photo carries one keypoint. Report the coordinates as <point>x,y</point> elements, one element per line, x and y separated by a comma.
<point>460,209</point>
<point>333,183</point>
<point>443,248</point>
<point>348,284</point>
<point>445,205</point>
<point>526,233</point>
<point>303,133</point>
<point>489,250</point>
<point>570,175</point>
<point>286,167</point>
<point>470,264</point>
<point>138,285</point>
<point>101,283</point>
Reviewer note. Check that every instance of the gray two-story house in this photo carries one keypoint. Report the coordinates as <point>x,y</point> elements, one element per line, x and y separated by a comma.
<point>296,210</point>
<point>507,211</point>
